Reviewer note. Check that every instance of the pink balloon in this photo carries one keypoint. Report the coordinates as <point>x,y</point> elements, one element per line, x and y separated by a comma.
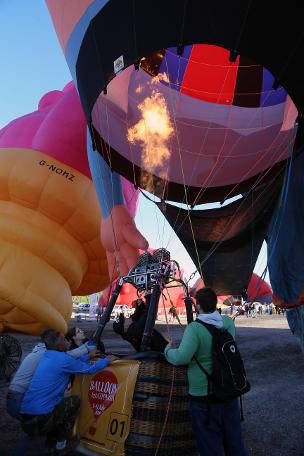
<point>58,129</point>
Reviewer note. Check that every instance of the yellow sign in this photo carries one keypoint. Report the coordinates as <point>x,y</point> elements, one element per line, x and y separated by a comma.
<point>106,399</point>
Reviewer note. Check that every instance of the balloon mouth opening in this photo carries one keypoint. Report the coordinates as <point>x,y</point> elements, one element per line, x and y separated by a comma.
<point>207,72</point>
<point>196,118</point>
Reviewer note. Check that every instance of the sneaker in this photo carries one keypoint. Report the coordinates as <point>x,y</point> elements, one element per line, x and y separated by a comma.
<point>61,445</point>
<point>68,447</point>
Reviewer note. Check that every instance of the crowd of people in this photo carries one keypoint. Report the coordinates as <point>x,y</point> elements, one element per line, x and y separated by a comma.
<point>255,309</point>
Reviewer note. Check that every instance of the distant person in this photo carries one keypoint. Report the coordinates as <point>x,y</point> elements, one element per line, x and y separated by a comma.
<point>44,409</point>
<point>219,310</point>
<point>245,296</point>
<point>246,309</point>
<point>99,312</point>
<point>172,313</point>
<point>216,424</point>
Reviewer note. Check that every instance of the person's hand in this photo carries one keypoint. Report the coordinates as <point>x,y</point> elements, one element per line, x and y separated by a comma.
<point>122,241</point>
<point>188,300</point>
<point>94,352</point>
<point>112,358</point>
<point>234,314</point>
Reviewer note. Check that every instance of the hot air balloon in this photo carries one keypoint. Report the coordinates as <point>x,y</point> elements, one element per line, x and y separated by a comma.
<point>195,102</point>
<point>196,112</point>
<point>258,290</point>
<point>49,216</point>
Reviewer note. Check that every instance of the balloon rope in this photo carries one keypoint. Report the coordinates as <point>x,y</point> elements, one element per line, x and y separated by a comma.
<point>258,180</point>
<point>228,226</point>
<point>279,158</point>
<point>202,144</point>
<point>242,28</point>
<point>166,317</point>
<point>107,147</point>
<point>182,170</point>
<point>283,202</point>
<point>258,284</point>
<point>202,191</point>
<point>171,386</point>
<point>230,222</point>
<point>214,170</point>
<point>167,411</point>
<point>262,156</point>
<point>252,232</point>
<point>112,184</point>
<point>174,307</point>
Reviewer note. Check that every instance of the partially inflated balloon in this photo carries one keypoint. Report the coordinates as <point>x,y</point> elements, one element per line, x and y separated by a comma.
<point>49,216</point>
<point>257,290</point>
<point>194,115</point>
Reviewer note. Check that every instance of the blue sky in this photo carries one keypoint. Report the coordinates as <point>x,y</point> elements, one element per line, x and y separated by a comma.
<point>31,59</point>
<point>32,63</point>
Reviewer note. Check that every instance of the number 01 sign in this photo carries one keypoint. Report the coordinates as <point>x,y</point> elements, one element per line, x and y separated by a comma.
<point>106,399</point>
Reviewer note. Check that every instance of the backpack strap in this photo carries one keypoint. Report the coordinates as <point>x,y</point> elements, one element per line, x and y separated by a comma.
<point>201,367</point>
<point>212,330</point>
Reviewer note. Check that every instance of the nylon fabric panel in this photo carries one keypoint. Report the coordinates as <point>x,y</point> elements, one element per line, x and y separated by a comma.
<point>66,14</point>
<point>219,24</point>
<point>240,230</point>
<point>209,75</point>
<point>248,84</point>
<point>286,241</point>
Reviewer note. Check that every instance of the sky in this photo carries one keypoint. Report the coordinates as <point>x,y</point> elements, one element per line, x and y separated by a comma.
<point>33,64</point>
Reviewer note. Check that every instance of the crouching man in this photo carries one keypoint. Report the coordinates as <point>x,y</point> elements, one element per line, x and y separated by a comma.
<point>44,409</point>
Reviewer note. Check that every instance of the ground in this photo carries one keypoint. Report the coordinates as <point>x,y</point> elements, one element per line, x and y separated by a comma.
<point>273,411</point>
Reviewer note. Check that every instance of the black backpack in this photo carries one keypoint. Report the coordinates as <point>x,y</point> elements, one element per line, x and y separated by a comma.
<point>228,379</point>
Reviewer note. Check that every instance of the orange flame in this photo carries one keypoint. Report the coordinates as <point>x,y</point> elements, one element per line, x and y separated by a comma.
<point>153,131</point>
<point>160,77</point>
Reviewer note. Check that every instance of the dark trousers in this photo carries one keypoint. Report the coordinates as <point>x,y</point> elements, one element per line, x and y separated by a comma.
<point>217,428</point>
<point>13,404</point>
<point>56,425</point>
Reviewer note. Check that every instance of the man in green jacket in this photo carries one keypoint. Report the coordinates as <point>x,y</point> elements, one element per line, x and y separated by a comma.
<point>216,424</point>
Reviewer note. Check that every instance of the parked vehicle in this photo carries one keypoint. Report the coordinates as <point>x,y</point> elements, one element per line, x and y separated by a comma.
<point>84,307</point>
<point>117,309</point>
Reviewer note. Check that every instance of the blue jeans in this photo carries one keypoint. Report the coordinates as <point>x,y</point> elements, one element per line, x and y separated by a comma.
<point>13,404</point>
<point>217,428</point>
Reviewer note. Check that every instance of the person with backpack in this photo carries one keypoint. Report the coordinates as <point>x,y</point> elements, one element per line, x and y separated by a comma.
<point>216,378</point>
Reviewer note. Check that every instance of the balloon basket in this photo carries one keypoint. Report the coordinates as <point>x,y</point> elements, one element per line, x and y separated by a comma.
<point>160,422</point>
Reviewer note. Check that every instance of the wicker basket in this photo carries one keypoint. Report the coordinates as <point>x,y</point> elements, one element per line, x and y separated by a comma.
<point>160,422</point>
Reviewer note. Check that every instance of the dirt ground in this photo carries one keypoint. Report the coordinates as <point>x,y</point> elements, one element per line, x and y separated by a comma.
<point>274,418</point>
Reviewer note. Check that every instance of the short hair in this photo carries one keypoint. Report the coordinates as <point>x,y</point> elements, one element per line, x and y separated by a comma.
<point>206,298</point>
<point>50,338</point>
<point>71,333</point>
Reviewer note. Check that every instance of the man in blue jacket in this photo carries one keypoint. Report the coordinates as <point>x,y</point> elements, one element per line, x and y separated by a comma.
<point>25,372</point>
<point>44,409</point>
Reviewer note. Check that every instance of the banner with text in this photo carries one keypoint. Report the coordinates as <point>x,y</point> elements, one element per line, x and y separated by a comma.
<point>106,399</point>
